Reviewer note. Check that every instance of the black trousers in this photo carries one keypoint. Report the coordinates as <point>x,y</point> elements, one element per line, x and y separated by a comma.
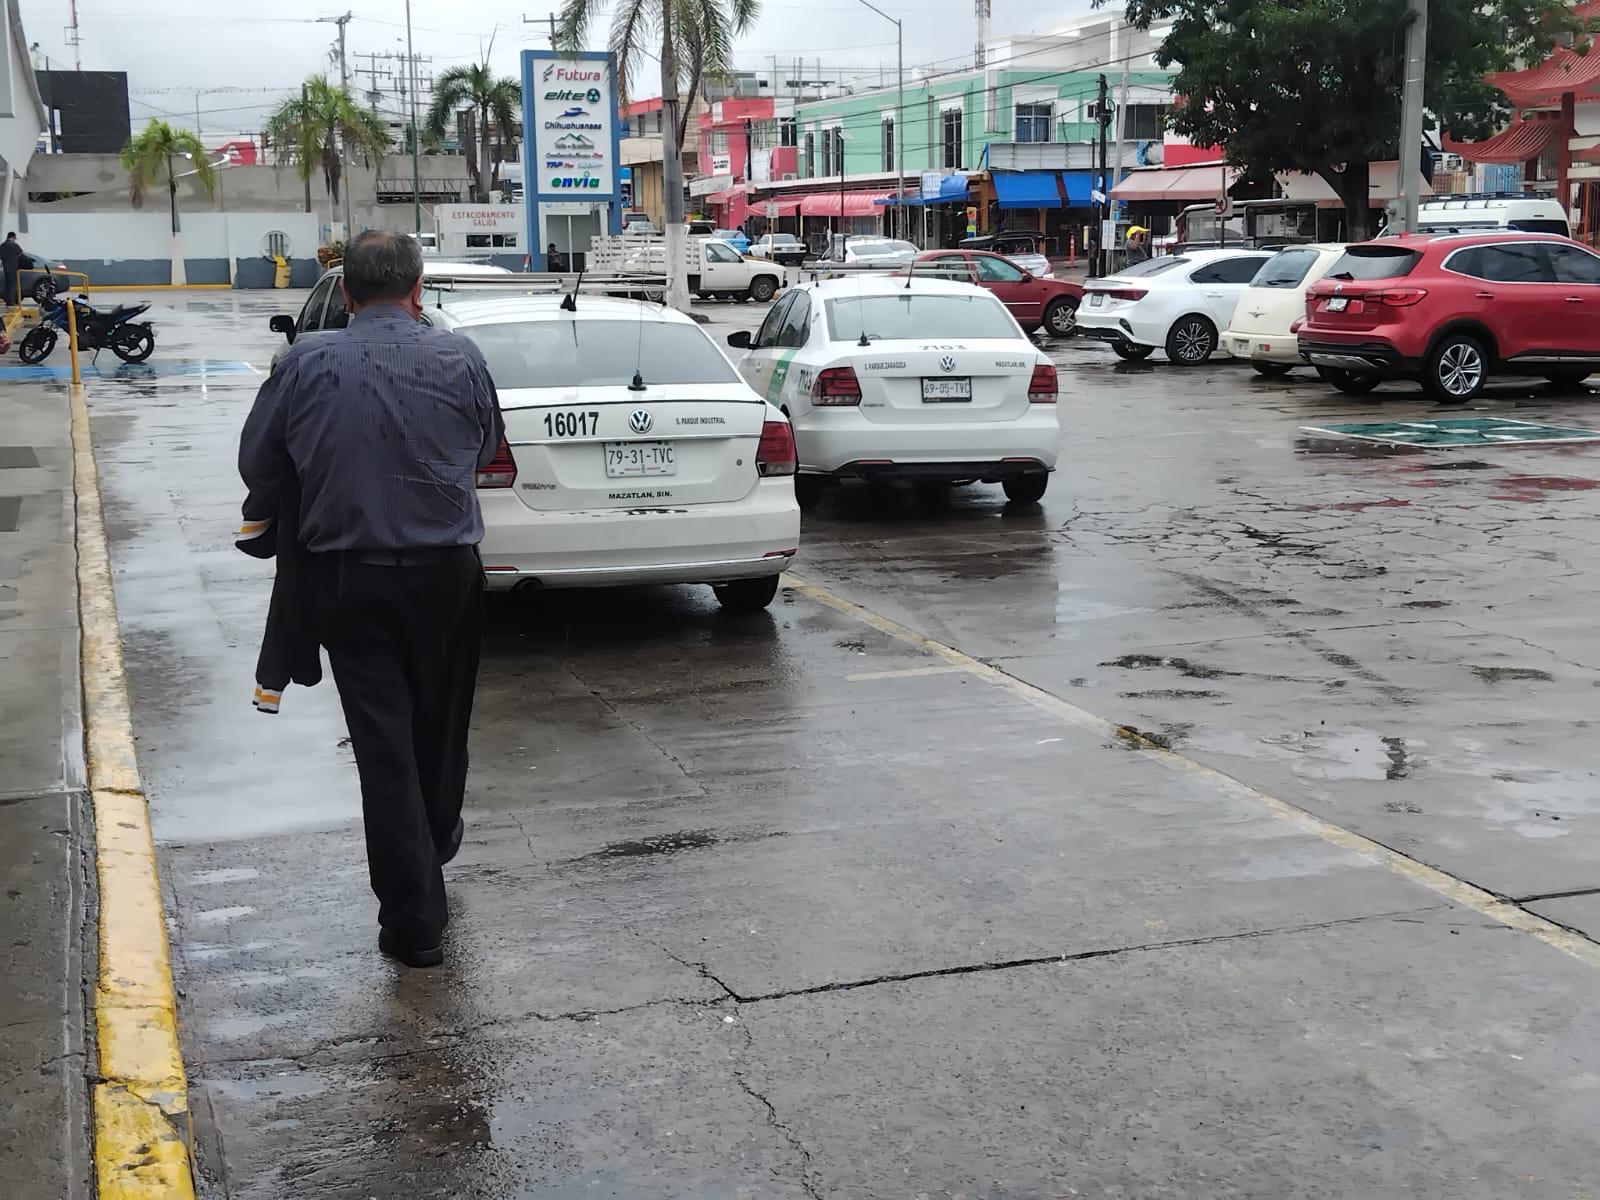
<point>404,642</point>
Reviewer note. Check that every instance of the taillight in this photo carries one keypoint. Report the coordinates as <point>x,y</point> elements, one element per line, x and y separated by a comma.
<point>1042,387</point>
<point>1126,293</point>
<point>501,471</point>
<point>1398,297</point>
<point>775,455</point>
<point>836,386</point>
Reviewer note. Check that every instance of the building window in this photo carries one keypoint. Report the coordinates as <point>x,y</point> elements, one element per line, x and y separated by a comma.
<point>811,154</point>
<point>888,144</point>
<point>1033,122</point>
<point>482,241</point>
<point>715,141</point>
<point>832,152</point>
<point>1144,122</point>
<point>788,132</point>
<point>950,139</point>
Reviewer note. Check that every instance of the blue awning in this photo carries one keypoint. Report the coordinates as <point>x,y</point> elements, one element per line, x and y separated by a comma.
<point>1026,189</point>
<point>1078,187</point>
<point>951,188</point>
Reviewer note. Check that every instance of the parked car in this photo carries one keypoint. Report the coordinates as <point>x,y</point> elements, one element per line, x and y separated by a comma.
<point>734,237</point>
<point>41,279</point>
<point>1275,300</point>
<point>782,248</point>
<point>1177,303</point>
<point>324,309</point>
<point>1452,310</point>
<point>633,452</point>
<point>915,379</point>
<point>1035,301</point>
<point>1024,249</point>
<point>870,251</point>
<point>1492,211</point>
<point>714,268</point>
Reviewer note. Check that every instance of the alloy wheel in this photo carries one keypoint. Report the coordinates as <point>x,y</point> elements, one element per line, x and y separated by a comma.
<point>1194,341</point>
<point>1460,369</point>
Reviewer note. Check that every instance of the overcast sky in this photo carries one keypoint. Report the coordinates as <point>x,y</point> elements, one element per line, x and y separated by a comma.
<point>172,48</point>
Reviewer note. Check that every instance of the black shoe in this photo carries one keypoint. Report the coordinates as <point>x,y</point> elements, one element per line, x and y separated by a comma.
<point>412,956</point>
<point>446,853</point>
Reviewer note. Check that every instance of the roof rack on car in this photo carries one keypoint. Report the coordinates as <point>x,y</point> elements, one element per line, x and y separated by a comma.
<point>553,283</point>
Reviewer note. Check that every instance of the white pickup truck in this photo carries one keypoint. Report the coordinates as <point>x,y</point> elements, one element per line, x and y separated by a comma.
<point>714,267</point>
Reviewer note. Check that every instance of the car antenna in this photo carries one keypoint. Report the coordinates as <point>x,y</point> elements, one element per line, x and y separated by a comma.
<point>637,384</point>
<point>570,303</point>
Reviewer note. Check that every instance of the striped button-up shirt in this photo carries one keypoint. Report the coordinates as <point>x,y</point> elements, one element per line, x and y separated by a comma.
<point>384,423</point>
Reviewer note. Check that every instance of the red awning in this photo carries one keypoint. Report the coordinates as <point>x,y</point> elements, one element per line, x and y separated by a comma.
<point>1516,143</point>
<point>788,208</point>
<point>1564,71</point>
<point>826,204</point>
<point>1188,184</point>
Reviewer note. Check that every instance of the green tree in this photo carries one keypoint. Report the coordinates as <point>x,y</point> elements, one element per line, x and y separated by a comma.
<point>306,131</point>
<point>160,152</point>
<point>1314,85</point>
<point>496,104</point>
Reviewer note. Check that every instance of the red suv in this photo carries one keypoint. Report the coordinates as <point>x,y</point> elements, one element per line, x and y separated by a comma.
<point>1453,309</point>
<point>1033,301</point>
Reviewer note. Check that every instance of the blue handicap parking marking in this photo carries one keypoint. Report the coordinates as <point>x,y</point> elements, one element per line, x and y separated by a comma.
<point>1457,431</point>
<point>180,369</point>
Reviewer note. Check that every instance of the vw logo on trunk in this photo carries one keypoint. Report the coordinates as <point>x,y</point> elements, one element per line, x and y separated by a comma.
<point>640,420</point>
<point>947,363</point>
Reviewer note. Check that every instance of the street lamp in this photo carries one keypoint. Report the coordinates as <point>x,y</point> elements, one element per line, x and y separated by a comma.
<point>899,115</point>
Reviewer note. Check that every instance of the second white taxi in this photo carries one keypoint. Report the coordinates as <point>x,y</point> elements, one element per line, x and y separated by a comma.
<point>916,379</point>
<point>633,452</point>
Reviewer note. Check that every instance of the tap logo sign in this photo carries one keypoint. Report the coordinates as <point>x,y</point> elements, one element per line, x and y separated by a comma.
<point>571,118</point>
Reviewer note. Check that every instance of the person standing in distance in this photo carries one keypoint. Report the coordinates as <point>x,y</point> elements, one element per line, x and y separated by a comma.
<point>382,426</point>
<point>11,256</point>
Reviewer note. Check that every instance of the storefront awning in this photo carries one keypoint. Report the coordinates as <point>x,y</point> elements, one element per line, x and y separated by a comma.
<point>1027,189</point>
<point>952,189</point>
<point>826,204</point>
<point>1078,187</point>
<point>788,208</point>
<point>1516,143</point>
<point>1150,185</point>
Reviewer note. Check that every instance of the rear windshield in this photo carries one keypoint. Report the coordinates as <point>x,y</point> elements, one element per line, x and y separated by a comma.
<point>1542,225</point>
<point>1374,262</point>
<point>1285,269</point>
<point>545,354</point>
<point>909,315</point>
<point>783,239</point>
<point>880,249</point>
<point>1152,266</point>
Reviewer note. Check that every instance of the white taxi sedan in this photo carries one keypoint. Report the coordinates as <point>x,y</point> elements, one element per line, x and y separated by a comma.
<point>918,379</point>
<point>633,452</point>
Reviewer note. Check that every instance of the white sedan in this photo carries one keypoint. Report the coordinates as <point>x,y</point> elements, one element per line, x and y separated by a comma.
<point>1272,302</point>
<point>1178,303</point>
<point>633,452</point>
<point>918,379</point>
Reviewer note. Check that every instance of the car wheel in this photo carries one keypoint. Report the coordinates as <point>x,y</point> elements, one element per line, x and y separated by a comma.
<point>1131,353</point>
<point>1061,318</point>
<point>808,491</point>
<point>1027,489</point>
<point>1191,340</point>
<point>1457,369</point>
<point>44,291</point>
<point>1271,369</point>
<point>746,595</point>
<point>1349,382</point>
<point>37,345</point>
<point>1562,379</point>
<point>763,288</point>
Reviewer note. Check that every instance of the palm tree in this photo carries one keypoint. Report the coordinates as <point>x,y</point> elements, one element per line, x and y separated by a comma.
<point>696,42</point>
<point>148,159</point>
<point>496,103</point>
<point>307,131</point>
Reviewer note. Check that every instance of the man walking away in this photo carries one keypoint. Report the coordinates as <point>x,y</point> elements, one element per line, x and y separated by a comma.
<point>383,424</point>
<point>11,265</point>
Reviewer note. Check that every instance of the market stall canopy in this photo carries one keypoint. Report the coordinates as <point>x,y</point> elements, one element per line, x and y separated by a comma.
<point>1147,185</point>
<point>1516,143</point>
<point>1382,185</point>
<point>826,204</point>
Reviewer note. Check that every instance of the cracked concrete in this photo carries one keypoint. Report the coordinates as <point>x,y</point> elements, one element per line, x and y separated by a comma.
<point>766,908</point>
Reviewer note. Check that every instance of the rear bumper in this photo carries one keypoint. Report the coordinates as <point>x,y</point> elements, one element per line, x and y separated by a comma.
<point>843,442</point>
<point>1367,357</point>
<point>1117,330</point>
<point>1256,347</point>
<point>708,543</point>
<point>989,470</point>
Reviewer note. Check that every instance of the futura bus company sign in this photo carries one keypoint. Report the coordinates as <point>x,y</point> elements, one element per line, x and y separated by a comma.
<point>571,124</point>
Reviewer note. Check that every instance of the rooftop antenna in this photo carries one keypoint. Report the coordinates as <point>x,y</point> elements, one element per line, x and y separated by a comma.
<point>570,304</point>
<point>637,383</point>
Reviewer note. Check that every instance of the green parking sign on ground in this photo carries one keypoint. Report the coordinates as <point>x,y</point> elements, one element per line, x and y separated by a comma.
<point>1456,431</point>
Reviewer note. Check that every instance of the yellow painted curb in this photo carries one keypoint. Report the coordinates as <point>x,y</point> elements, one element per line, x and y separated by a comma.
<point>141,1105</point>
<point>167,287</point>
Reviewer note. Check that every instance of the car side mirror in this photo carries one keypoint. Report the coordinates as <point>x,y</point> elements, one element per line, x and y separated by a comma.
<point>282,323</point>
<point>740,340</point>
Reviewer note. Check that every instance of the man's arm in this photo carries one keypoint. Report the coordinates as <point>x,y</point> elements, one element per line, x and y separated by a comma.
<point>488,402</point>
<point>264,462</point>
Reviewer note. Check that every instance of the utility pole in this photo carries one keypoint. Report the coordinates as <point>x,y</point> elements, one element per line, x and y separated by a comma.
<point>73,39</point>
<point>900,107</point>
<point>1411,114</point>
<point>1097,266</point>
<point>416,178</point>
<point>344,86</point>
<point>1120,113</point>
<point>305,103</point>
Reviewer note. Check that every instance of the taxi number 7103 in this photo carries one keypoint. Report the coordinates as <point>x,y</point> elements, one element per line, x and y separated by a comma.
<point>572,424</point>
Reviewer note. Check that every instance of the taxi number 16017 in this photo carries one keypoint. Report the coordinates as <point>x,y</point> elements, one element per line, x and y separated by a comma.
<point>572,424</point>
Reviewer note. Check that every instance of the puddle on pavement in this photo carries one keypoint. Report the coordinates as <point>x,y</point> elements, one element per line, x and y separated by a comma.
<point>1531,489</point>
<point>1183,666</point>
<point>1512,674</point>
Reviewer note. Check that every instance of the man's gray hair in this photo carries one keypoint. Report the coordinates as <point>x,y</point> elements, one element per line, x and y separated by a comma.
<point>380,265</point>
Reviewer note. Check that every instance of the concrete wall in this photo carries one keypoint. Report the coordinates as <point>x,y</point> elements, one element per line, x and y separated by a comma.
<point>252,189</point>
<point>137,247</point>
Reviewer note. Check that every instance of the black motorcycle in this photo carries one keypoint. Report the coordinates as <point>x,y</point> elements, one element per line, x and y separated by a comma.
<point>131,341</point>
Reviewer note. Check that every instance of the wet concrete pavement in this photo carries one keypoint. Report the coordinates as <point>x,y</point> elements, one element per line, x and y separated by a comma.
<point>790,906</point>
